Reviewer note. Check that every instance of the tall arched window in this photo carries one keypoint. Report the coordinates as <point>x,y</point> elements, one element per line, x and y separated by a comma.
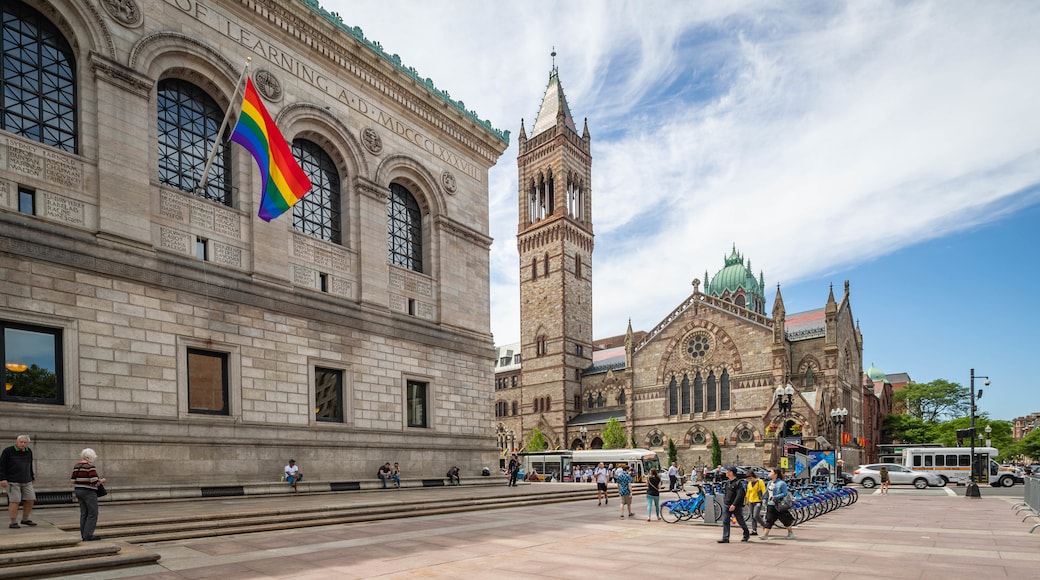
<point>698,393</point>
<point>809,379</point>
<point>673,398</point>
<point>39,79</point>
<point>404,229</point>
<point>724,391</point>
<point>318,213</point>
<point>685,395</point>
<point>712,393</point>
<point>188,123</point>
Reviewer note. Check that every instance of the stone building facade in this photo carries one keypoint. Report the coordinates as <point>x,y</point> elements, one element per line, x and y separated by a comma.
<point>191,343</point>
<point>710,367</point>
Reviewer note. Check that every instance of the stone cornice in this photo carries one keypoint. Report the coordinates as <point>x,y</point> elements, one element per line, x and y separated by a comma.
<point>465,232</point>
<point>120,75</point>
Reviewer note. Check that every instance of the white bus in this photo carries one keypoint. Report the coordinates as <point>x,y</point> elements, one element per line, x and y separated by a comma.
<point>953,464</point>
<point>562,463</point>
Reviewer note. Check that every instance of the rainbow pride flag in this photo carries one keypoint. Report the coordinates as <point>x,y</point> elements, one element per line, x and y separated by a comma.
<point>284,182</point>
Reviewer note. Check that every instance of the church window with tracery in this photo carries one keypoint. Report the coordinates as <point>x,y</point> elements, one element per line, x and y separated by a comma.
<point>685,389</point>
<point>673,398</point>
<point>712,392</point>
<point>724,391</point>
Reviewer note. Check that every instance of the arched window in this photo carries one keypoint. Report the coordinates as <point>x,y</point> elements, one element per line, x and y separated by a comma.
<point>621,398</point>
<point>685,394</point>
<point>548,403</point>
<point>545,269</point>
<point>712,393</point>
<point>534,268</point>
<point>515,407</point>
<point>809,377</point>
<point>724,391</point>
<point>740,300</point>
<point>591,402</point>
<point>318,213</point>
<point>698,393</point>
<point>577,265</point>
<point>404,229</point>
<point>577,403</point>
<point>673,398</point>
<point>39,79</point>
<point>599,400</point>
<point>188,123</point>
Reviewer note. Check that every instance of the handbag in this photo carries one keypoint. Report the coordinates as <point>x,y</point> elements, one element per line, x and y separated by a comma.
<point>101,491</point>
<point>783,504</point>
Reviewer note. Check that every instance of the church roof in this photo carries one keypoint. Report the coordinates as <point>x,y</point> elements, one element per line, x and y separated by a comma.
<point>606,359</point>
<point>553,103</point>
<point>597,418</point>
<point>806,325</point>
<point>877,375</point>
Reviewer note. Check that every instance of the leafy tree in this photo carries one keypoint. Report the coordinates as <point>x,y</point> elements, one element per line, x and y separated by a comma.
<point>716,451</point>
<point>673,453</point>
<point>536,441</point>
<point>1030,445</point>
<point>1000,435</point>
<point>907,429</point>
<point>613,434</point>
<point>934,401</point>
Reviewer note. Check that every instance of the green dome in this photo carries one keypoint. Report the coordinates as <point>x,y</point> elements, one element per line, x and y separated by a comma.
<point>734,276</point>
<point>877,375</point>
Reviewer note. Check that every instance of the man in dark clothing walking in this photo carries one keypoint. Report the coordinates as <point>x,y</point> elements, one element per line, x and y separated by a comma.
<point>733,505</point>
<point>514,470</point>
<point>16,477</point>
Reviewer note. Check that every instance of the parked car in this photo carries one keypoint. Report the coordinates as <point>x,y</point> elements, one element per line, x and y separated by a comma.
<point>1007,475</point>
<point>760,471</point>
<point>1033,469</point>
<point>869,476</point>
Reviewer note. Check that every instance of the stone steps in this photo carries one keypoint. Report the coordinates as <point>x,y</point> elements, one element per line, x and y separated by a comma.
<point>55,557</point>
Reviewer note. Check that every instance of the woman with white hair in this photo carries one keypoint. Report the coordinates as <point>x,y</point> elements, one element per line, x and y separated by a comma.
<point>85,483</point>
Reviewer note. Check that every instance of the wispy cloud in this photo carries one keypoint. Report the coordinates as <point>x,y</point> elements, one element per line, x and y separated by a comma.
<point>812,135</point>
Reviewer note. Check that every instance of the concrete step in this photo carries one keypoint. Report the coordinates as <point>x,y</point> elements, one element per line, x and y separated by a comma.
<point>58,562</point>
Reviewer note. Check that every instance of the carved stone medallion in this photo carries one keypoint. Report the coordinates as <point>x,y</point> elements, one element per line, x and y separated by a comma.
<point>127,12</point>
<point>373,142</point>
<point>448,181</point>
<point>267,85</point>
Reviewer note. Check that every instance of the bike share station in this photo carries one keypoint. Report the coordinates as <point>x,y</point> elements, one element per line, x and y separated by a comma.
<point>815,483</point>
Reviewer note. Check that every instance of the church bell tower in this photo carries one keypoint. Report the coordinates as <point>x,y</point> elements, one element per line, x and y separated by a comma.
<point>555,243</point>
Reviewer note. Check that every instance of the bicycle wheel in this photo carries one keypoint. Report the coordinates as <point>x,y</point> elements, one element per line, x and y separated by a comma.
<point>671,512</point>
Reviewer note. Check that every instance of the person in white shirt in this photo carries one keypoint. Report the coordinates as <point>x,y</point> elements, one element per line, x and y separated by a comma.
<point>293,474</point>
<point>673,477</point>
<point>602,475</point>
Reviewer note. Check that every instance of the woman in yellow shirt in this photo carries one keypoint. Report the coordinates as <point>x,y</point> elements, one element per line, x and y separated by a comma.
<point>756,490</point>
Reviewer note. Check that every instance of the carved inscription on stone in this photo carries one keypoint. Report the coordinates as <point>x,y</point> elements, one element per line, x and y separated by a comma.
<point>62,170</point>
<point>5,194</point>
<point>341,287</point>
<point>64,209</point>
<point>225,254</point>
<point>303,276</point>
<point>330,258</point>
<point>226,223</point>
<point>174,240</point>
<point>398,303</point>
<point>24,159</point>
<point>202,216</point>
<point>424,310</point>
<point>174,206</point>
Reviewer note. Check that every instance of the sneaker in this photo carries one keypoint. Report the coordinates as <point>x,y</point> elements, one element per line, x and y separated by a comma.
<point>723,541</point>
<point>790,536</point>
<point>745,538</point>
<point>763,538</point>
<point>754,532</point>
<point>622,517</point>
<point>631,515</point>
<point>29,523</point>
<point>93,539</point>
<point>14,526</point>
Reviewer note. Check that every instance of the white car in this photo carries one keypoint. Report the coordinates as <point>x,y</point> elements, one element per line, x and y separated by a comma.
<point>869,476</point>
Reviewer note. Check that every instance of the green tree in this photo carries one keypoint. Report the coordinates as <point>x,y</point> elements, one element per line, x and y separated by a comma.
<point>716,451</point>
<point>1030,445</point>
<point>613,434</point>
<point>935,401</point>
<point>673,453</point>
<point>999,436</point>
<point>536,441</point>
<point>907,429</point>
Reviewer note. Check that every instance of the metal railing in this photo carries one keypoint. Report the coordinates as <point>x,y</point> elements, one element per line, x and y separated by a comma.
<point>1032,501</point>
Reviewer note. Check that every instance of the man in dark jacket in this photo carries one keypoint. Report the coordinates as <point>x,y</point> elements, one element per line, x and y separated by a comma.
<point>16,477</point>
<point>733,505</point>
<point>514,470</point>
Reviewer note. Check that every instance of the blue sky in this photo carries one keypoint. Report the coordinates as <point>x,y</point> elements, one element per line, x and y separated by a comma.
<point>892,144</point>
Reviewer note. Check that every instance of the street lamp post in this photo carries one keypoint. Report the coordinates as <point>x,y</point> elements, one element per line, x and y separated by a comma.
<point>973,488</point>
<point>839,416</point>
<point>988,430</point>
<point>784,396</point>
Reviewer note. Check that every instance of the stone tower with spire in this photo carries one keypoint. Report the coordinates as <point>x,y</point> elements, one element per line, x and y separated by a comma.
<point>555,243</point>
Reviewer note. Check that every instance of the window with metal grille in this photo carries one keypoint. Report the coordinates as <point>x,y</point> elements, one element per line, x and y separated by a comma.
<point>188,123</point>
<point>404,229</point>
<point>318,213</point>
<point>39,79</point>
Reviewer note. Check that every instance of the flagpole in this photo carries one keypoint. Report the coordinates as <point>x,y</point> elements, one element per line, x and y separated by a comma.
<point>223,125</point>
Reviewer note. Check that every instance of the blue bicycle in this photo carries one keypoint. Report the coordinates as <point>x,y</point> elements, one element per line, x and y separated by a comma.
<point>685,508</point>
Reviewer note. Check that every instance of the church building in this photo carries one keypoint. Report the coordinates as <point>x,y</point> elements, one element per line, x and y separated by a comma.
<point>713,364</point>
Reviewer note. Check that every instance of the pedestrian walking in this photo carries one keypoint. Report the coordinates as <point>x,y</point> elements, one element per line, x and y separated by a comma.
<point>624,482</point>
<point>17,477</point>
<point>777,490</point>
<point>883,474</point>
<point>653,494</point>
<point>753,495</point>
<point>733,505</point>
<point>514,470</point>
<point>85,483</point>
<point>673,476</point>
<point>602,474</point>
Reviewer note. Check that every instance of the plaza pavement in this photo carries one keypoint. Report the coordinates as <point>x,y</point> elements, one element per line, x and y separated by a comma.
<point>907,534</point>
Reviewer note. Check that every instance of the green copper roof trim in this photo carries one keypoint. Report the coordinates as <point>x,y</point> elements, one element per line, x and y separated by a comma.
<point>395,60</point>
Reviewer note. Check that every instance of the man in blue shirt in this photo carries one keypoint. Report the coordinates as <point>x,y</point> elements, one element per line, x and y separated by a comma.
<point>624,482</point>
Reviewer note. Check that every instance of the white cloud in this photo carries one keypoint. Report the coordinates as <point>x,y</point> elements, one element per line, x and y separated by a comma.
<point>811,135</point>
